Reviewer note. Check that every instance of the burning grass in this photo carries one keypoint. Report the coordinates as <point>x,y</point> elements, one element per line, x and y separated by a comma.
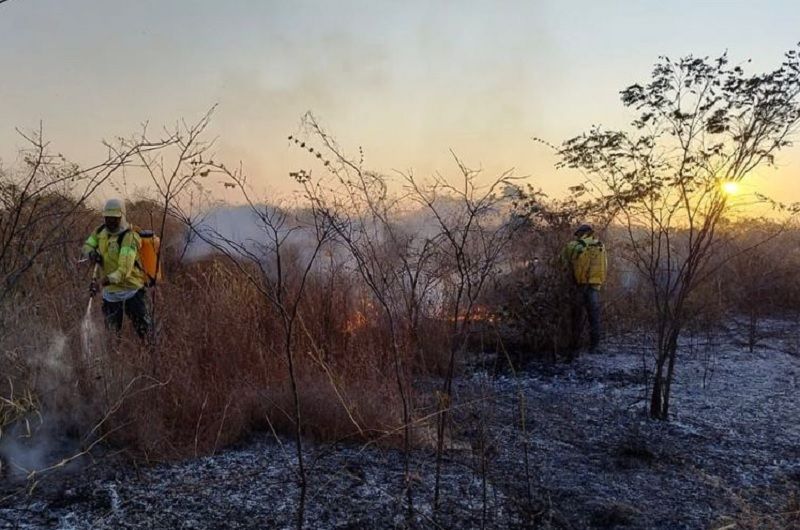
<point>218,369</point>
<point>215,372</point>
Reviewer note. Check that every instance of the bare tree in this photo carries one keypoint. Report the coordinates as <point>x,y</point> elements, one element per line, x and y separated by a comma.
<point>463,250</point>
<point>702,127</point>
<point>175,174</point>
<point>39,203</point>
<point>267,265</point>
<point>394,264</point>
<point>470,219</point>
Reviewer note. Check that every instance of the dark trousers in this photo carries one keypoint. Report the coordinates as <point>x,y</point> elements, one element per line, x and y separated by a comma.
<point>136,309</point>
<point>587,301</point>
<point>591,303</point>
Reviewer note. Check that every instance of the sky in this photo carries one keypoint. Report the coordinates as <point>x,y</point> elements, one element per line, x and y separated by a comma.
<point>408,81</point>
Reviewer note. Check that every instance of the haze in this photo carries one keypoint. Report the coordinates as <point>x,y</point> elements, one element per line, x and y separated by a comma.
<point>408,81</point>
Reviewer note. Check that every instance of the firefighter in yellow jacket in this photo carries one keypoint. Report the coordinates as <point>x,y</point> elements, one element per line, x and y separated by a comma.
<point>114,247</point>
<point>587,261</point>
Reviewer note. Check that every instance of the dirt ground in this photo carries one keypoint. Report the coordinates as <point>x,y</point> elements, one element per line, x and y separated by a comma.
<point>587,458</point>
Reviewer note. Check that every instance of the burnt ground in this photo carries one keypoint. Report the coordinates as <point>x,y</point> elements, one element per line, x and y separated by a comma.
<point>729,458</point>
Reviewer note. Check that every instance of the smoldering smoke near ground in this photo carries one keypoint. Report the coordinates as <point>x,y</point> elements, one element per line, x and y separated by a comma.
<point>37,441</point>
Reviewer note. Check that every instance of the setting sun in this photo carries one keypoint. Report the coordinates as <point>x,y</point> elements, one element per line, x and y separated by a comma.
<point>731,188</point>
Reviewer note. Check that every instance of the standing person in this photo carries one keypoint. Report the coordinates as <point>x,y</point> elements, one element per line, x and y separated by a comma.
<point>114,247</point>
<point>586,258</point>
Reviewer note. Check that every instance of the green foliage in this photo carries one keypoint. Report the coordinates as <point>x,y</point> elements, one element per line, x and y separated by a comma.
<point>700,123</point>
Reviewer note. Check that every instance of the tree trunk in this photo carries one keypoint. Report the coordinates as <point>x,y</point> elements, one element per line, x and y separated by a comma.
<point>301,471</point>
<point>657,397</point>
<point>667,352</point>
<point>672,354</point>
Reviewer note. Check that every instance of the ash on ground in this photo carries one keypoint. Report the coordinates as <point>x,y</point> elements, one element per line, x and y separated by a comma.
<point>587,457</point>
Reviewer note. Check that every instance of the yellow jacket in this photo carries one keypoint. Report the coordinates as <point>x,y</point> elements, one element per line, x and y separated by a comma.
<point>119,258</point>
<point>587,259</point>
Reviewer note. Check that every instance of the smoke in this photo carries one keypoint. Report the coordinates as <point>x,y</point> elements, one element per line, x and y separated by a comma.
<point>233,228</point>
<point>23,451</point>
<point>239,231</point>
<point>90,335</point>
<point>37,438</point>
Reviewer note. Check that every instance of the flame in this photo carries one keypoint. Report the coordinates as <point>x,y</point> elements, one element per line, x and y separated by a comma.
<point>355,322</point>
<point>480,313</point>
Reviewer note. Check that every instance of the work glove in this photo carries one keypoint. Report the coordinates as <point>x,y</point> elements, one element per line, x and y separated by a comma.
<point>93,288</point>
<point>95,257</point>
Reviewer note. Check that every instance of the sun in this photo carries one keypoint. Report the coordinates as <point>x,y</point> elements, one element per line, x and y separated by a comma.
<point>730,187</point>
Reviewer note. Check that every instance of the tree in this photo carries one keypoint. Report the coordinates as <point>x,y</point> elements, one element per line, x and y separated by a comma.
<point>700,125</point>
<point>40,202</point>
<point>280,277</point>
<point>473,232</point>
<point>174,172</point>
<point>394,264</point>
<point>447,264</point>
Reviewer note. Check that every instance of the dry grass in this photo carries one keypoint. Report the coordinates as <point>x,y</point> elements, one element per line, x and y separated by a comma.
<point>217,370</point>
<point>750,518</point>
<point>219,357</point>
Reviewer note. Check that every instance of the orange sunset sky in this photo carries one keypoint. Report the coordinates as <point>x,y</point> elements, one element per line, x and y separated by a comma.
<point>407,81</point>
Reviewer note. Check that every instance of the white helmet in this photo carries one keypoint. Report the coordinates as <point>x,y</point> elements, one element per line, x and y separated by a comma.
<point>114,208</point>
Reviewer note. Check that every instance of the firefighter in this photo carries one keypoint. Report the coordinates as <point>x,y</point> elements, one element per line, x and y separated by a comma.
<point>114,248</point>
<point>585,257</point>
